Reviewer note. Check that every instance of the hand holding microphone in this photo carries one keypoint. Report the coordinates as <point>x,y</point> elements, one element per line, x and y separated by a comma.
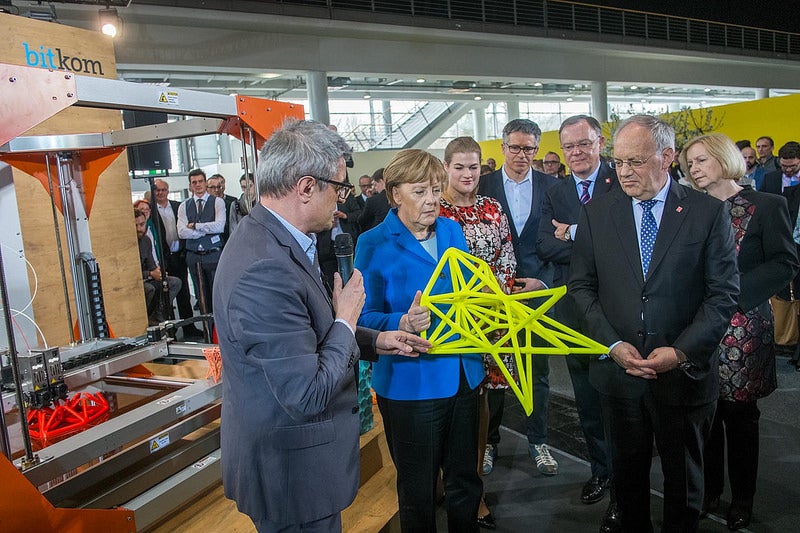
<point>348,285</point>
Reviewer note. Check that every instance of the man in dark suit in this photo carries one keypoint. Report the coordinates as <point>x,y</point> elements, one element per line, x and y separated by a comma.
<point>201,221</point>
<point>376,206</point>
<point>789,174</point>
<point>582,140</point>
<point>365,186</point>
<point>521,192</point>
<point>175,254</point>
<point>346,217</point>
<point>216,186</point>
<point>290,454</point>
<point>654,274</point>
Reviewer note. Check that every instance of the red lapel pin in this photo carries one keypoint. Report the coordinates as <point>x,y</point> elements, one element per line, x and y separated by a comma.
<point>679,209</point>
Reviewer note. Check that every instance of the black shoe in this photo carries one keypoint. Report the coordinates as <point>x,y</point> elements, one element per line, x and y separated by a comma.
<point>193,334</point>
<point>611,521</point>
<point>739,517</point>
<point>487,521</point>
<point>710,505</point>
<point>594,490</point>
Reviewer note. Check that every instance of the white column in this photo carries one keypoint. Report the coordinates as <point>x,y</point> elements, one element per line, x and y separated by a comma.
<point>512,108</point>
<point>387,117</point>
<point>206,150</point>
<point>317,88</point>
<point>600,100</point>
<point>479,123</point>
<point>762,93</point>
<point>225,155</point>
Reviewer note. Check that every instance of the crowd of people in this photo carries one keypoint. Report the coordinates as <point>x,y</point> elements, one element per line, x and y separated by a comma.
<point>673,259</point>
<point>179,241</point>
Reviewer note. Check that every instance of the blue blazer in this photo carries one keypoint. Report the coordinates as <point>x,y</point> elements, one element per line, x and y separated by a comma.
<point>395,266</point>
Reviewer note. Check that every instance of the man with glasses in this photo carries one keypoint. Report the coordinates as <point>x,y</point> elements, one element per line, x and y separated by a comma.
<point>789,173</point>
<point>582,141</point>
<point>521,192</point>
<point>551,164</point>
<point>654,277</point>
<point>175,254</point>
<point>365,186</point>
<point>289,438</point>
<point>216,186</point>
<point>201,221</point>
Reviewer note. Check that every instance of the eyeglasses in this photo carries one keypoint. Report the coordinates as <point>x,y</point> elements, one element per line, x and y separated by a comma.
<point>515,148</point>
<point>633,163</point>
<point>582,146</point>
<point>343,189</point>
<point>213,187</point>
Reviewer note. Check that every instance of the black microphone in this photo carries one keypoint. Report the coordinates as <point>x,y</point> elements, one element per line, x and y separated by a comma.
<point>343,248</point>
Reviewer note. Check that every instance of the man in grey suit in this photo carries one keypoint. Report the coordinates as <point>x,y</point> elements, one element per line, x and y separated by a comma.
<point>290,454</point>
<point>654,274</point>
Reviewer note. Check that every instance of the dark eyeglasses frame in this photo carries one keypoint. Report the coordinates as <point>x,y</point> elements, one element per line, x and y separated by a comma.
<point>515,149</point>
<point>343,189</point>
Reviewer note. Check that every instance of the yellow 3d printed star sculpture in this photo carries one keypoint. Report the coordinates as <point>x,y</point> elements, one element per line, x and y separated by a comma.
<point>478,311</point>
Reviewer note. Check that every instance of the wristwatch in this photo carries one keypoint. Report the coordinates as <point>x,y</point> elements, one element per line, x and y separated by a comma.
<point>567,235</point>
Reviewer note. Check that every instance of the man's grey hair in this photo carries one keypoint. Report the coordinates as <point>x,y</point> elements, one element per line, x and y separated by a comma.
<point>299,148</point>
<point>577,119</point>
<point>522,125</point>
<point>662,133</point>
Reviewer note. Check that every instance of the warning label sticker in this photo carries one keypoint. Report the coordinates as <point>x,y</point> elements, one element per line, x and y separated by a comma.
<point>159,442</point>
<point>169,98</point>
<point>202,463</point>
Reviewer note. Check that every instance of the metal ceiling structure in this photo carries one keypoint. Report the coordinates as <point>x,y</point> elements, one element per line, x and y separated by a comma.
<point>163,43</point>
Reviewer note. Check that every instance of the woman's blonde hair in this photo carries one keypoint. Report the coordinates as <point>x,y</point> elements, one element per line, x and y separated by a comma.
<point>721,148</point>
<point>412,166</point>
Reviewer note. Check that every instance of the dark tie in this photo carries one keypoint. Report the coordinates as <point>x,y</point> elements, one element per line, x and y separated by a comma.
<point>649,231</point>
<point>199,207</point>
<point>585,193</point>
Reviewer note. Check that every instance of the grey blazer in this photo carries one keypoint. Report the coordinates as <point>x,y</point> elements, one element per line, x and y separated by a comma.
<point>290,428</point>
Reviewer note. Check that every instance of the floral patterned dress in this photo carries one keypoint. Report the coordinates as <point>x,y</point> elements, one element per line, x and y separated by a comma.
<point>489,238</point>
<point>747,351</point>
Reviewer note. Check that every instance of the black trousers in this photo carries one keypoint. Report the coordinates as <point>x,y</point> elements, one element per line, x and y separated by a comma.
<point>425,436</point>
<point>207,264</point>
<point>736,423</point>
<point>497,401</point>
<point>590,415</point>
<point>176,266</point>
<point>680,433</point>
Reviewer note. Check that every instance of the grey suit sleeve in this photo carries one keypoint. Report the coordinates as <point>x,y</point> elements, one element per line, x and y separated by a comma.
<point>277,325</point>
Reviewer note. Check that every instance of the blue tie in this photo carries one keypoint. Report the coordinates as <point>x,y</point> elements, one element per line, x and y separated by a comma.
<point>585,192</point>
<point>649,231</point>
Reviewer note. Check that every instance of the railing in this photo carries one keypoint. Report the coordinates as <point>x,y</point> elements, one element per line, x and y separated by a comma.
<point>583,21</point>
<point>403,129</point>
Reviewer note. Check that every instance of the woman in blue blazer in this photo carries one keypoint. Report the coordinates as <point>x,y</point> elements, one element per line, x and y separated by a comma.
<point>430,406</point>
